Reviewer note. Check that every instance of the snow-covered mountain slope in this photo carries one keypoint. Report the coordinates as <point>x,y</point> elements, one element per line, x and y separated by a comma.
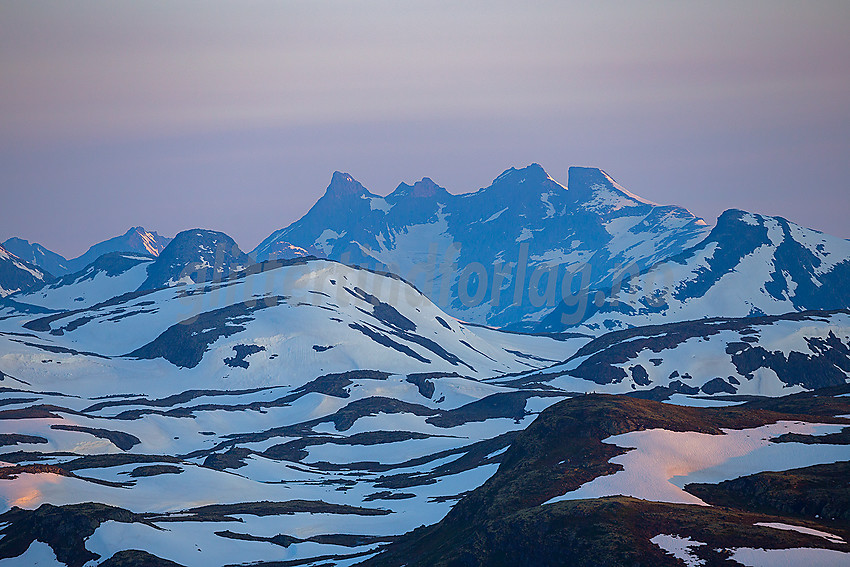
<point>195,407</point>
<point>748,265</point>
<point>767,355</point>
<point>36,254</point>
<point>136,239</point>
<point>335,406</point>
<point>613,480</point>
<point>111,275</point>
<point>18,275</point>
<point>283,250</point>
<point>196,255</point>
<point>308,411</point>
<point>499,255</point>
<point>338,466</point>
<point>282,322</point>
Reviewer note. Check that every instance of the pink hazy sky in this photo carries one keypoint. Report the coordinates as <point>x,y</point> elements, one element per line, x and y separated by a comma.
<point>233,115</point>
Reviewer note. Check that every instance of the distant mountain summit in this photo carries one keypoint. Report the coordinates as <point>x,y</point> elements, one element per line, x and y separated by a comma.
<point>500,255</point>
<point>195,256</point>
<point>424,189</point>
<point>136,239</point>
<point>17,275</point>
<point>38,255</point>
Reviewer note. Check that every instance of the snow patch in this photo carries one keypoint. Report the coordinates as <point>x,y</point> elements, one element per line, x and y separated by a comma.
<point>496,215</point>
<point>378,203</point>
<point>788,527</point>
<point>661,462</point>
<point>550,209</point>
<point>680,548</point>
<point>810,557</point>
<point>38,554</point>
<point>322,243</point>
<point>524,235</point>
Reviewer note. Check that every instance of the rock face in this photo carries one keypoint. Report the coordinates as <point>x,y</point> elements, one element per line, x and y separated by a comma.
<point>136,239</point>
<point>748,265</point>
<point>500,255</point>
<point>17,275</point>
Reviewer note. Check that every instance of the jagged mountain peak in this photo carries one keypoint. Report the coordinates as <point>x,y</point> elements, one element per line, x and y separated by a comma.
<point>521,187</point>
<point>748,265</point>
<point>425,188</point>
<point>135,239</point>
<point>523,207</point>
<point>344,185</point>
<point>150,240</point>
<point>15,241</point>
<point>601,191</point>
<point>533,173</point>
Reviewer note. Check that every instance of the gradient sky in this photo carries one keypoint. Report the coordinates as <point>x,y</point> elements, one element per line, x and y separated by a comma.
<point>233,115</point>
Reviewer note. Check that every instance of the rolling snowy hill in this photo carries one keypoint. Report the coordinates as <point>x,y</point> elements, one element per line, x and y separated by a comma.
<point>111,275</point>
<point>276,322</point>
<point>310,398</point>
<point>767,355</point>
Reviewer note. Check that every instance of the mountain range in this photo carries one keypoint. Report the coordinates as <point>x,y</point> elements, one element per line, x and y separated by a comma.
<point>528,374</point>
<point>497,256</point>
<point>136,239</point>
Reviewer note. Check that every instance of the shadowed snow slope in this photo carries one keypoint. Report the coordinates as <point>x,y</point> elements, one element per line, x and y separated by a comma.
<point>38,255</point>
<point>749,265</point>
<point>768,355</point>
<point>111,275</point>
<point>17,275</point>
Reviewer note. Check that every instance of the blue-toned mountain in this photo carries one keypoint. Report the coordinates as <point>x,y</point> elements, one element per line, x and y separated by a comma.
<point>748,265</point>
<point>500,255</point>
<point>36,254</point>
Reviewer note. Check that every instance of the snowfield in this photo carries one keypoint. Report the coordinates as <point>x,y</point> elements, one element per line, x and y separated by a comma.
<point>661,462</point>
